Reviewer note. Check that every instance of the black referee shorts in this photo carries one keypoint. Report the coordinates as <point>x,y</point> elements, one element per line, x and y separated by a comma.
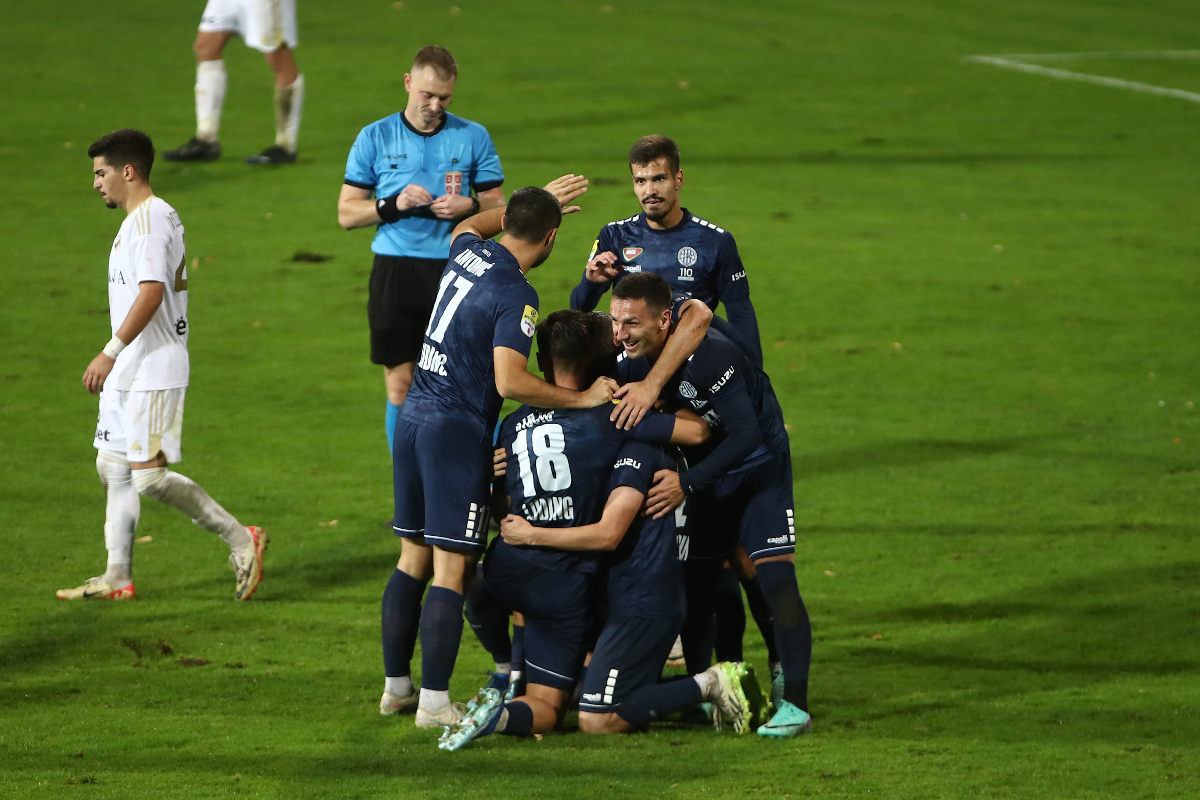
<point>402,291</point>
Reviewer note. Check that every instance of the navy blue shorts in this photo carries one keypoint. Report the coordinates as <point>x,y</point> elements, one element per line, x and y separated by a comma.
<point>753,508</point>
<point>630,654</point>
<point>441,480</point>
<point>557,606</point>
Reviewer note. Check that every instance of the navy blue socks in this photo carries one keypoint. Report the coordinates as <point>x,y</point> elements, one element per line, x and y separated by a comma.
<point>731,617</point>
<point>657,700</point>
<point>761,611</point>
<point>793,631</point>
<point>441,633</point>
<point>699,629</point>
<point>489,620</point>
<point>399,615</point>
<point>520,719</point>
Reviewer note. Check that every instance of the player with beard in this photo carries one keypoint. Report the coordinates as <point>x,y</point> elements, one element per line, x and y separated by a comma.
<point>738,485</point>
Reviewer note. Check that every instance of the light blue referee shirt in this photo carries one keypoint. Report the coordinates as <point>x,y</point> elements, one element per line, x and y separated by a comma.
<point>457,157</point>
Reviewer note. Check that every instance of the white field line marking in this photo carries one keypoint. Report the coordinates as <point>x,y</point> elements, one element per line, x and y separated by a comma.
<point>1103,55</point>
<point>1065,75</point>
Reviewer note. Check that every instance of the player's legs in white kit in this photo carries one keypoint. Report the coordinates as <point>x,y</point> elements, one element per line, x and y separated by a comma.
<point>268,26</point>
<point>137,435</point>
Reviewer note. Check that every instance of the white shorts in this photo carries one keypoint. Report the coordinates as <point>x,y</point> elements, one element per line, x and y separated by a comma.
<point>141,424</point>
<point>264,25</point>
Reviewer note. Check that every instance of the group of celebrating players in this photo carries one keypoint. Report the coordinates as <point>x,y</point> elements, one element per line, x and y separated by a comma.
<point>639,488</point>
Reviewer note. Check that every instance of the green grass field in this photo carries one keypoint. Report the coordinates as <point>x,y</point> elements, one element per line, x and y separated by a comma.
<point>978,294</point>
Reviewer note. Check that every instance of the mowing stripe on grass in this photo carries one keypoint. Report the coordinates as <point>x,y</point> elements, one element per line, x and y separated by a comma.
<point>1065,75</point>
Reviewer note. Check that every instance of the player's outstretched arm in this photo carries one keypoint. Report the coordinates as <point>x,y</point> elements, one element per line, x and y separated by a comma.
<point>514,381</point>
<point>619,513</point>
<point>487,224</point>
<point>638,397</point>
<point>150,295</point>
<point>689,428</point>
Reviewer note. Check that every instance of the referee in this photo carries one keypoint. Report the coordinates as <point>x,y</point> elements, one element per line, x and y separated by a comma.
<point>422,166</point>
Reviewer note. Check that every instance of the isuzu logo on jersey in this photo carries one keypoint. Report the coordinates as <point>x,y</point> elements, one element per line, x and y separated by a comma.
<point>454,182</point>
<point>716,386</point>
<point>687,256</point>
<point>687,390</point>
<point>630,253</point>
<point>529,321</point>
<point>739,275</point>
<point>627,462</point>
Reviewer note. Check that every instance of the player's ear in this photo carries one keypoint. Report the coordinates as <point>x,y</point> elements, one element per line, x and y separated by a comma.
<point>678,179</point>
<point>129,173</point>
<point>549,241</point>
<point>503,219</point>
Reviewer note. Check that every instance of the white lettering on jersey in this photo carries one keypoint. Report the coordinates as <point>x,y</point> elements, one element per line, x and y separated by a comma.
<point>686,274</point>
<point>711,417</point>
<point>591,697</point>
<point>432,359</point>
<point>473,263</point>
<point>724,378</point>
<point>549,509</point>
<point>739,275</point>
<point>627,462</point>
<point>534,419</point>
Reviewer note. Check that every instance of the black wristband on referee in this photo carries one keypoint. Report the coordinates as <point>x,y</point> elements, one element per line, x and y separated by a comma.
<point>385,207</point>
<point>474,206</point>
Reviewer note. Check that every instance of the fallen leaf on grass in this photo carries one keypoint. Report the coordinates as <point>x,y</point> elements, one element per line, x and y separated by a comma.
<point>877,636</point>
<point>830,573</point>
<point>143,539</point>
<point>330,524</point>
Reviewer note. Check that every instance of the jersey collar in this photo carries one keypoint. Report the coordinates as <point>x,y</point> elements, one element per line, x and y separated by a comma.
<point>426,134</point>
<point>667,231</point>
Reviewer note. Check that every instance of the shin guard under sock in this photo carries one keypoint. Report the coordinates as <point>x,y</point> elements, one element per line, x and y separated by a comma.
<point>400,618</point>
<point>731,617</point>
<point>793,630</point>
<point>441,634</point>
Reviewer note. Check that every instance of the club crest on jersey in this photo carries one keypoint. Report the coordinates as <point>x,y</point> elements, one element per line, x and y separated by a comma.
<point>529,321</point>
<point>687,390</point>
<point>630,253</point>
<point>687,256</point>
<point>454,182</point>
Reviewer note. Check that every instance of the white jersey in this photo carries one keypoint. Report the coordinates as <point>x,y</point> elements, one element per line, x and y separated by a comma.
<point>149,247</point>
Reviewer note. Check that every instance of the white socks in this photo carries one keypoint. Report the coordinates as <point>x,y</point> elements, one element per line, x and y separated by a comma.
<point>186,495</point>
<point>708,683</point>
<point>503,668</point>
<point>401,687</point>
<point>210,97</point>
<point>433,701</point>
<point>289,103</point>
<point>120,515</point>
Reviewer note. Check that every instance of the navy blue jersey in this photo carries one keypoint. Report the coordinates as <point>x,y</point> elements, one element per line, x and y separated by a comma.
<point>559,463</point>
<point>645,572</point>
<point>695,257</point>
<point>483,302</point>
<point>719,369</point>
<point>455,158</point>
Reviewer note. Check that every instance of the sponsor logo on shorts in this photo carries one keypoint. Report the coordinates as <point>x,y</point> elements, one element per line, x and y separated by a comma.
<point>627,462</point>
<point>591,697</point>
<point>473,263</point>
<point>778,540</point>
<point>687,390</point>
<point>529,321</point>
<point>724,379</point>
<point>432,359</point>
<point>687,256</point>
<point>630,253</point>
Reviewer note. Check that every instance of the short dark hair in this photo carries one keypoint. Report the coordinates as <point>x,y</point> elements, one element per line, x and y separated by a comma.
<point>647,286</point>
<point>579,339</point>
<point>439,59</point>
<point>126,146</point>
<point>531,214</point>
<point>651,148</point>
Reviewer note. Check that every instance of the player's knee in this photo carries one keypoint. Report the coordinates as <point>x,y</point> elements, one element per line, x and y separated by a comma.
<point>112,467</point>
<point>591,723</point>
<point>150,482</point>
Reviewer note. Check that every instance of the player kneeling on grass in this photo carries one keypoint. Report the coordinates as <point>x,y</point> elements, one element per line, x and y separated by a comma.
<point>142,375</point>
<point>559,463</point>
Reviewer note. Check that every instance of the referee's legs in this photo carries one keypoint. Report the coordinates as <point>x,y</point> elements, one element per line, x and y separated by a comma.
<point>396,380</point>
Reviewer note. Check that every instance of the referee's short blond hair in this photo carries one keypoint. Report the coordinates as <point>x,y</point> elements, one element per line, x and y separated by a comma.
<point>438,59</point>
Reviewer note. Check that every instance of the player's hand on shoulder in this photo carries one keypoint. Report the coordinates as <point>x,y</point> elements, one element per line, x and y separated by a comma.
<point>97,372</point>
<point>636,399</point>
<point>665,494</point>
<point>516,530</point>
<point>603,268</point>
<point>499,462</point>
<point>566,189</point>
<point>451,206</point>
<point>413,195</point>
<point>599,393</point>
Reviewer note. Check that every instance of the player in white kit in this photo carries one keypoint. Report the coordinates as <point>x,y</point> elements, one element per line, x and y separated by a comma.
<point>142,376</point>
<point>268,26</point>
